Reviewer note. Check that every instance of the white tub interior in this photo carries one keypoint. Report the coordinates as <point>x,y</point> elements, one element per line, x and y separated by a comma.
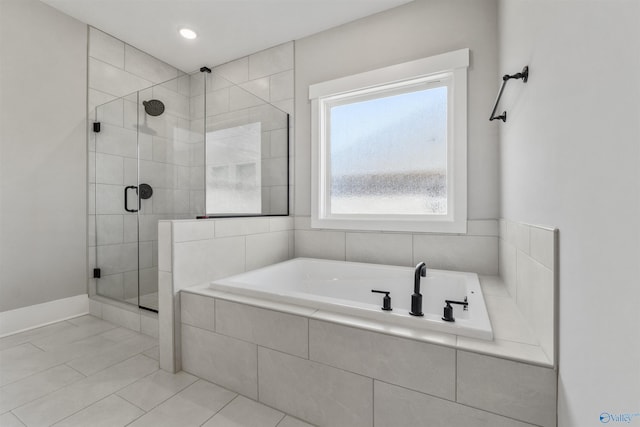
<point>345,287</point>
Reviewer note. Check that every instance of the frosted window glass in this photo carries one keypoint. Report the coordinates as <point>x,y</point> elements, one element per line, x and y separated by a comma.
<point>389,155</point>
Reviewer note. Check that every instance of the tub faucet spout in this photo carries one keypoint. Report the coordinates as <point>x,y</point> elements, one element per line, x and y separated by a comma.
<point>416,298</point>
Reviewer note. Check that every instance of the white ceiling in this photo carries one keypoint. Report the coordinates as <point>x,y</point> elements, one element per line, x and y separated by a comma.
<point>227,29</point>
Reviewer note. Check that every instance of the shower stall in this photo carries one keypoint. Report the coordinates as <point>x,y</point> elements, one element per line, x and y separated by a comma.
<point>196,146</point>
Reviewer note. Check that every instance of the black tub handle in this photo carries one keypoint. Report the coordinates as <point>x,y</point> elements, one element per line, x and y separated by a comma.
<point>126,206</point>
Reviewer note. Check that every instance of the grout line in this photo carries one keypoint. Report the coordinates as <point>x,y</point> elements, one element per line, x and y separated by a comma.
<point>281,419</point>
<point>257,373</point>
<point>461,404</point>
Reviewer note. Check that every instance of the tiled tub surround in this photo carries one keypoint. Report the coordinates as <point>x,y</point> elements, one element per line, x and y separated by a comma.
<point>528,260</point>
<point>197,251</point>
<point>475,251</point>
<point>334,369</point>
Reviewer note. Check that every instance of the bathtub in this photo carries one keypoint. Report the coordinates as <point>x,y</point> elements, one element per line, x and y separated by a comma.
<point>345,288</point>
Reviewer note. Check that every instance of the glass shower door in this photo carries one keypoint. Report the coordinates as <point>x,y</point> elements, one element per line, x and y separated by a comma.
<point>114,219</point>
<point>164,172</point>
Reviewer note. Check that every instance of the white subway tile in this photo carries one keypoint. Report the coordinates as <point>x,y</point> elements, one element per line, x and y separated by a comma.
<point>425,367</point>
<point>226,361</point>
<point>106,48</point>
<point>109,169</point>
<point>380,248</point>
<point>109,229</point>
<point>184,231</point>
<point>543,246</point>
<point>266,249</point>
<point>507,321</point>
<point>476,254</point>
<point>281,223</point>
<point>240,99</point>
<point>285,105</point>
<point>217,102</point>
<point>320,244</point>
<point>536,300</point>
<point>95,99</point>
<point>282,86</point>
<point>205,260</point>
<point>258,87</point>
<point>531,354</point>
<point>279,331</point>
<point>149,325</point>
<point>197,310</point>
<point>271,61</point>
<point>397,406</point>
<point>302,222</point>
<point>315,392</point>
<point>95,308</point>
<point>117,141</point>
<point>166,312</point>
<point>118,258</point>
<point>278,200</point>
<point>119,316</point>
<point>240,226</point>
<point>279,143</point>
<point>112,80</point>
<point>165,245</point>
<point>487,227</point>
<point>112,113</point>
<point>514,389</point>
<point>146,66</point>
<point>108,199</point>
<point>235,71</point>
<point>522,237</point>
<point>507,262</point>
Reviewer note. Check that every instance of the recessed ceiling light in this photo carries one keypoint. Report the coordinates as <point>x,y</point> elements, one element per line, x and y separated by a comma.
<point>188,34</point>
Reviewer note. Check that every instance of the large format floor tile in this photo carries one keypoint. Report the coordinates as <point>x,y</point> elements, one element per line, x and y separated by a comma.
<point>243,412</point>
<point>191,407</point>
<point>112,411</point>
<point>86,372</point>
<point>151,391</point>
<point>64,402</point>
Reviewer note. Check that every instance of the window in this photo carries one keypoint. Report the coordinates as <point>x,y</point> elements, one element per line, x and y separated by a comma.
<point>389,148</point>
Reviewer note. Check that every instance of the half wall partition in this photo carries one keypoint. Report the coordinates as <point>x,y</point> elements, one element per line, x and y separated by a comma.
<point>193,147</point>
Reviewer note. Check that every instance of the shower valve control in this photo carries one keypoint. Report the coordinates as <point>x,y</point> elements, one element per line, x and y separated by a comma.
<point>386,301</point>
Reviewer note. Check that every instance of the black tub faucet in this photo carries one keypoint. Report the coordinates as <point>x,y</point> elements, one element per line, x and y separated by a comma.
<point>416,298</point>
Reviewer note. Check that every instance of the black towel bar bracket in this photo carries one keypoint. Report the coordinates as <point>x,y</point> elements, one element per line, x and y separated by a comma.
<point>524,75</point>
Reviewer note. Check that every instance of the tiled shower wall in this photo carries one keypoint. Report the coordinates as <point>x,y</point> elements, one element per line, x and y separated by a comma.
<point>236,95</point>
<point>115,70</point>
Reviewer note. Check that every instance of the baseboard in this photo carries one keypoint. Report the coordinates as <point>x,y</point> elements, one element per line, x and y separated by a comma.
<point>35,316</point>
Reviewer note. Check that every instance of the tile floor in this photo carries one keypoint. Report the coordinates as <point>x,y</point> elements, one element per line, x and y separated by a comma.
<point>88,372</point>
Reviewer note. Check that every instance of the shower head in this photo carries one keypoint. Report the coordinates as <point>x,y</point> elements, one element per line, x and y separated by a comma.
<point>153,107</point>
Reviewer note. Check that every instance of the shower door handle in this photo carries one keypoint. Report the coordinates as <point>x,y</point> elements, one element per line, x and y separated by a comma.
<point>126,204</point>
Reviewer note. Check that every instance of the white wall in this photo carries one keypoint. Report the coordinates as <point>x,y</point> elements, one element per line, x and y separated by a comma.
<point>570,158</point>
<point>416,30</point>
<point>43,155</point>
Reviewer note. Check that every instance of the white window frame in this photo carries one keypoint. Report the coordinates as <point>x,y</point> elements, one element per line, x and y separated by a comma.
<point>448,68</point>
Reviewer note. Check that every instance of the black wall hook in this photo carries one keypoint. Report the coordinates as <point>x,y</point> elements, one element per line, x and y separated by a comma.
<point>524,75</point>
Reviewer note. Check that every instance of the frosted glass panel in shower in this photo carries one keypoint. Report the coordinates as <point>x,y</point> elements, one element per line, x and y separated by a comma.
<point>234,164</point>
